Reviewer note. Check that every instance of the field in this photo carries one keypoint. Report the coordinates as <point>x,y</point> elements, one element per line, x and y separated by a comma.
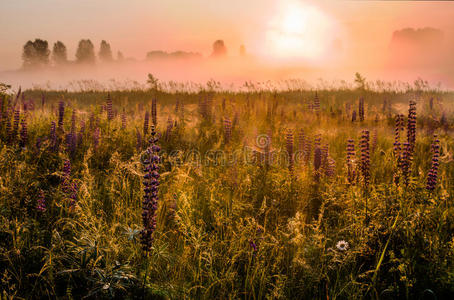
<point>290,194</point>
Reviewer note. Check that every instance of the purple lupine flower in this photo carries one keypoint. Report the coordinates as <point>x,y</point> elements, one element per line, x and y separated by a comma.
<point>431,103</point>
<point>61,114</point>
<point>411,127</point>
<point>317,162</point>
<point>365,157</point>
<point>15,125</point>
<point>307,151</point>
<point>289,149</point>
<point>227,130</point>
<point>96,137</point>
<point>361,109</point>
<point>316,105</point>
<point>110,114</point>
<point>397,150</point>
<point>145,123</point>
<point>150,198</point>
<point>23,133</point>
<point>374,141</point>
<point>354,116</point>
<point>177,106</point>
<point>253,245</point>
<point>330,168</point>
<point>41,201</point>
<point>154,112</point>
<point>432,176</point>
<point>301,140</point>
<point>69,187</point>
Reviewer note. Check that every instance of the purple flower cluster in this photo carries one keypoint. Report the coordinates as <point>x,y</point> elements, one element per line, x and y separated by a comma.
<point>289,148</point>
<point>146,122</point>
<point>61,114</point>
<point>411,127</point>
<point>351,165</point>
<point>150,198</point>
<point>110,113</point>
<point>361,109</point>
<point>154,112</point>
<point>23,133</point>
<point>317,162</point>
<point>316,105</point>
<point>69,187</point>
<point>365,157</point>
<point>432,176</point>
<point>227,130</point>
<point>41,202</point>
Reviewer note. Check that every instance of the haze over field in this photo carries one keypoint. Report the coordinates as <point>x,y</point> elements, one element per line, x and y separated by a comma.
<point>399,40</point>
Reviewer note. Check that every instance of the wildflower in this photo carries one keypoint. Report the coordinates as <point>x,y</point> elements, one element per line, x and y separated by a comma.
<point>96,137</point>
<point>23,134</point>
<point>354,116</point>
<point>41,202</point>
<point>110,114</point>
<point>150,198</point>
<point>289,148</point>
<point>145,123</point>
<point>342,245</point>
<point>253,245</point>
<point>154,112</point>
<point>365,157</point>
<point>227,130</point>
<point>61,113</point>
<point>15,124</point>
<point>361,109</point>
<point>351,155</point>
<point>432,176</point>
<point>316,105</point>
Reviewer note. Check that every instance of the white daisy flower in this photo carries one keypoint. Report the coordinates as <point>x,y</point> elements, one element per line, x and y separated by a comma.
<point>342,245</point>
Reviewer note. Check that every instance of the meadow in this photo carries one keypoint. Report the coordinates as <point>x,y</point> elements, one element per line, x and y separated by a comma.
<point>335,193</point>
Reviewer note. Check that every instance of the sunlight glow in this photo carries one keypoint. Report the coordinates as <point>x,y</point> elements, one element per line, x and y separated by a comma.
<point>299,30</point>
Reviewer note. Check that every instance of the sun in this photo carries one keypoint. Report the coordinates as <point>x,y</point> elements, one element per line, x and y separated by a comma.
<point>298,30</point>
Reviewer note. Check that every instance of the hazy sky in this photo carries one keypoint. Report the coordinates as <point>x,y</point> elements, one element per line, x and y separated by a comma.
<point>276,30</point>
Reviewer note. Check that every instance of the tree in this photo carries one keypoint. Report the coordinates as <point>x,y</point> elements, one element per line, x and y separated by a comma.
<point>105,53</point>
<point>36,54</point>
<point>59,54</point>
<point>85,52</point>
<point>360,81</point>
<point>219,49</point>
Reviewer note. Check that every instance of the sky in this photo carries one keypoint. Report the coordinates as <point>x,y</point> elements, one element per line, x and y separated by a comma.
<point>280,32</point>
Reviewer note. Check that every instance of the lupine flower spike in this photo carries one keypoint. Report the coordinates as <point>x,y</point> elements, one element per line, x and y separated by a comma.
<point>150,198</point>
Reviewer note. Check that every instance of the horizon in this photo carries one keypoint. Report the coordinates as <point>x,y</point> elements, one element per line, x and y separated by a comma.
<point>314,38</point>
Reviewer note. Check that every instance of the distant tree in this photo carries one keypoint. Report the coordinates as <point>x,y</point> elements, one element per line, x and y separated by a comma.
<point>36,54</point>
<point>105,53</point>
<point>85,52</point>
<point>242,50</point>
<point>120,56</point>
<point>59,54</point>
<point>219,49</point>
<point>360,81</point>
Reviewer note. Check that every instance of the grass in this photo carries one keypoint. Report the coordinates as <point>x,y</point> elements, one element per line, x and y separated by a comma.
<point>216,202</point>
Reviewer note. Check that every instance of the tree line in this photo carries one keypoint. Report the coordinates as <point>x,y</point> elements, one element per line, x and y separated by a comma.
<point>37,54</point>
